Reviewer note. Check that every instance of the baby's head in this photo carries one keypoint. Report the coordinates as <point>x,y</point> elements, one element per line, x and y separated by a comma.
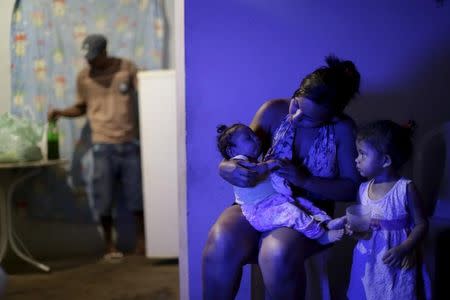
<point>382,144</point>
<point>238,139</point>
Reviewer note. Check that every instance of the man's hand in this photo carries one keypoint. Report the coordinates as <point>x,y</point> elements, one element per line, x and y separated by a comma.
<point>53,115</point>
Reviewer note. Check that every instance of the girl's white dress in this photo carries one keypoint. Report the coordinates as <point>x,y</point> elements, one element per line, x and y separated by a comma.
<point>391,224</point>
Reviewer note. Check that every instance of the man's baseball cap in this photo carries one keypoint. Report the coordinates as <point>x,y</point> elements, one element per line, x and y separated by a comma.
<point>93,45</point>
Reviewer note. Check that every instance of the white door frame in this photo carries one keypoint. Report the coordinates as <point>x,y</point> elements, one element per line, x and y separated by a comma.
<point>181,125</point>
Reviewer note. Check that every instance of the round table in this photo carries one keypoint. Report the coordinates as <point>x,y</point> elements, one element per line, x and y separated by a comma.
<point>11,176</point>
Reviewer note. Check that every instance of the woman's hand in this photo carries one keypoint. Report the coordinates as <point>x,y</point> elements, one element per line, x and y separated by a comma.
<point>239,173</point>
<point>272,164</point>
<point>394,256</point>
<point>297,176</point>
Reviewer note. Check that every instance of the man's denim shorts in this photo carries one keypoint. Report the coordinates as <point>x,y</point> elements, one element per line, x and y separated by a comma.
<point>117,176</point>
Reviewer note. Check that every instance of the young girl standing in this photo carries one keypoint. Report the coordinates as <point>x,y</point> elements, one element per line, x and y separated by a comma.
<point>385,261</point>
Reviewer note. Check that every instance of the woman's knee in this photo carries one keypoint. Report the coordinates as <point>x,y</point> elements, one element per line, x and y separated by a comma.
<point>281,255</point>
<point>229,239</point>
<point>219,243</point>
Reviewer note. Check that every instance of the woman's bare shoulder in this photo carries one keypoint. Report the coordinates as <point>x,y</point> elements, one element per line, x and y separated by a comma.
<point>272,111</point>
<point>345,123</point>
<point>268,118</point>
<point>276,104</point>
<point>345,130</point>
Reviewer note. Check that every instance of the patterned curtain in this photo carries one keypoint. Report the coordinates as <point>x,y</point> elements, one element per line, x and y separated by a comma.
<point>46,57</point>
<point>46,39</point>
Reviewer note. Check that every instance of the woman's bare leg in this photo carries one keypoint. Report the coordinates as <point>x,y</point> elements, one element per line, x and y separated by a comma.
<point>281,259</point>
<point>231,243</point>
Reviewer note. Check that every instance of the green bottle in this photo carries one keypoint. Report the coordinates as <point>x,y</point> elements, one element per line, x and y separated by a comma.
<point>52,141</point>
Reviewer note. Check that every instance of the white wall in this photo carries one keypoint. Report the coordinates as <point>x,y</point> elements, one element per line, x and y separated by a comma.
<point>6,7</point>
<point>179,56</point>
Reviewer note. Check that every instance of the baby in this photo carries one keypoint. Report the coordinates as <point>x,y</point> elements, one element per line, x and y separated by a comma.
<point>270,204</point>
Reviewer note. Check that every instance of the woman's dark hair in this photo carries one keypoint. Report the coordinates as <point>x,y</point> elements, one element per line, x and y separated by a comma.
<point>224,137</point>
<point>389,138</point>
<point>332,86</point>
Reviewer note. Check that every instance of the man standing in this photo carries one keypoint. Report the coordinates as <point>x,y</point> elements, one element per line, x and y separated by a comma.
<point>106,91</point>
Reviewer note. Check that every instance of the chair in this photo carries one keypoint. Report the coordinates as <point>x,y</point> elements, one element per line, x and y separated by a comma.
<point>432,176</point>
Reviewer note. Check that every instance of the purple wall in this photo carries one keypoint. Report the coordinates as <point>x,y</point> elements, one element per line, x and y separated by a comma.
<point>240,53</point>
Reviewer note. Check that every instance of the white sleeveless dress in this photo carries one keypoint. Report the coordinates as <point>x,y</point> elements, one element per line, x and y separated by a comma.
<point>391,224</point>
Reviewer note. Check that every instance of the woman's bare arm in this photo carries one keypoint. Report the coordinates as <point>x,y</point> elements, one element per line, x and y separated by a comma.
<point>267,119</point>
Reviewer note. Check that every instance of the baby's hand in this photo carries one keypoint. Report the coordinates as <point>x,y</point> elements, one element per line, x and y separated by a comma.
<point>273,164</point>
<point>394,256</point>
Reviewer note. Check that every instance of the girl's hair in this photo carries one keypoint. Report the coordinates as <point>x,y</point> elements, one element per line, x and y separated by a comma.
<point>224,137</point>
<point>389,138</point>
<point>332,86</point>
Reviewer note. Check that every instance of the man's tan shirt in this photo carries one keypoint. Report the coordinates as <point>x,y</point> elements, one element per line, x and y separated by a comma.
<point>109,98</point>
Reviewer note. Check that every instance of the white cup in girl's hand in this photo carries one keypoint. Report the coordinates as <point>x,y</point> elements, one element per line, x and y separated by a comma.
<point>358,217</point>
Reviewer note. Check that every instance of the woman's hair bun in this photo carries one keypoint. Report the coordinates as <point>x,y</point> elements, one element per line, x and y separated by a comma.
<point>332,61</point>
<point>332,85</point>
<point>221,128</point>
<point>347,76</point>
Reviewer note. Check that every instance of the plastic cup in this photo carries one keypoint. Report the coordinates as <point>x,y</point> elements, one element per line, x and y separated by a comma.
<point>358,217</point>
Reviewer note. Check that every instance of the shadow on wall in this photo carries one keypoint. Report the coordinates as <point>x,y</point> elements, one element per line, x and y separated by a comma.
<point>432,175</point>
<point>421,93</point>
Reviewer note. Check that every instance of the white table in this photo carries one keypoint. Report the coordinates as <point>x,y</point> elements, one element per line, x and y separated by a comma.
<point>11,176</point>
